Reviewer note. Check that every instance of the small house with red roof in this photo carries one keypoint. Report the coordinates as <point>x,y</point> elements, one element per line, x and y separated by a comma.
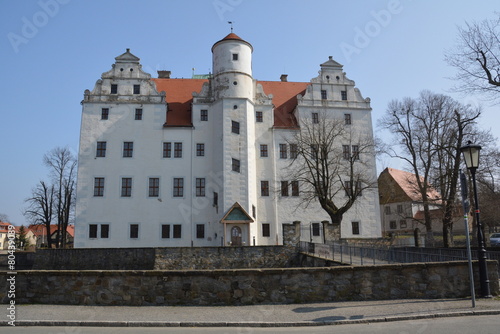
<point>40,235</point>
<point>171,162</point>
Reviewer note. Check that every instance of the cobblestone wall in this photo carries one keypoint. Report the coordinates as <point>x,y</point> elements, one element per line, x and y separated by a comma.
<point>244,286</point>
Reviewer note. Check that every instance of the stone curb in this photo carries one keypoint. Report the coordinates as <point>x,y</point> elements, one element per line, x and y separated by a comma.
<point>79,323</point>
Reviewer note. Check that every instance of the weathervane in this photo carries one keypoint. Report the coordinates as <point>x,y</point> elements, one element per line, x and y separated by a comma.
<point>231,23</point>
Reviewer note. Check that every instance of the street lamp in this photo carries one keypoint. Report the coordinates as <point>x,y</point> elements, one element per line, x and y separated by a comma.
<point>471,156</point>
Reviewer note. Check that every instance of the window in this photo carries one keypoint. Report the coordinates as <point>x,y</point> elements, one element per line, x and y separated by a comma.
<point>347,119</point>
<point>400,208</point>
<point>283,149</point>
<point>343,94</point>
<point>200,231</point>
<point>266,230</point>
<point>98,186</point>
<point>177,150</point>
<point>134,231</point>
<point>355,227</point>
<point>359,191</point>
<point>315,117</point>
<point>137,89</point>
<point>314,151</point>
<point>104,231</point>
<point>235,56</point>
<point>402,223</point>
<point>284,188</point>
<point>295,188</point>
<point>236,165</point>
<point>254,211</point>
<point>177,231</point>
<point>355,152</point>
<point>93,231</point>
<point>264,188</point>
<point>263,151</point>
<point>200,150</point>
<point>323,94</point>
<point>138,114</point>
<point>114,89</point>
<point>101,149</point>
<point>293,151</point>
<point>178,187</point>
<point>346,152</point>
<point>104,113</point>
<point>349,191</point>
<point>216,199</point>
<point>235,127</point>
<point>128,149</point>
<point>348,188</point>
<point>154,187</point>
<point>126,186</point>
<point>200,187</point>
<point>393,225</point>
<point>167,150</point>
<point>315,230</point>
<point>259,117</point>
<point>387,210</point>
<point>203,115</point>
<point>165,231</point>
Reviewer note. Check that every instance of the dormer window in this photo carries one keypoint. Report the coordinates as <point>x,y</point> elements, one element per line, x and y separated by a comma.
<point>235,56</point>
<point>137,89</point>
<point>114,89</point>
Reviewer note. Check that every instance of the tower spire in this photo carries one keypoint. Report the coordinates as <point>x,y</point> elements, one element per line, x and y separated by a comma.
<point>231,23</point>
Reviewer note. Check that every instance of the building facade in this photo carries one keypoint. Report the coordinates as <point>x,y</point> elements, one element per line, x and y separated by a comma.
<point>170,162</point>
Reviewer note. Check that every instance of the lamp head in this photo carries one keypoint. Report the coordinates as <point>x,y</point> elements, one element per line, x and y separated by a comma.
<point>471,155</point>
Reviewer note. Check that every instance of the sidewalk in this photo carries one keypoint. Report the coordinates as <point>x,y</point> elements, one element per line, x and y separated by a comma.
<point>251,316</point>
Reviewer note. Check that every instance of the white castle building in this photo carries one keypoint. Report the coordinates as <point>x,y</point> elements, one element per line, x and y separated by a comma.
<point>197,162</point>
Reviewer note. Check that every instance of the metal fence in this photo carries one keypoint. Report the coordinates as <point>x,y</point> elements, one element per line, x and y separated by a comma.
<point>367,255</point>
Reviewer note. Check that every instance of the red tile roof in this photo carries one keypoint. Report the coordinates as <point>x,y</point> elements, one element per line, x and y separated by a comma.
<point>179,96</point>
<point>40,230</point>
<point>408,183</point>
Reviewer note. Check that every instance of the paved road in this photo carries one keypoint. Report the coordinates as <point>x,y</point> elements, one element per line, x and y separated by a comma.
<point>463,325</point>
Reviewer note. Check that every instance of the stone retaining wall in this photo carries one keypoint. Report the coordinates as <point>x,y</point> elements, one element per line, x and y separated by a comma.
<point>244,286</point>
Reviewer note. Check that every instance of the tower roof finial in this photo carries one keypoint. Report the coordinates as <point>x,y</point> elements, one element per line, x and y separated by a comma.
<point>231,23</point>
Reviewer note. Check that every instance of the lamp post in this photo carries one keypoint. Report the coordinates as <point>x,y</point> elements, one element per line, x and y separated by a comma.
<point>471,156</point>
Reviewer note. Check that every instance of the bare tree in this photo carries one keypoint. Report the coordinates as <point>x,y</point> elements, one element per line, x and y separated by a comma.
<point>477,58</point>
<point>40,207</point>
<point>330,165</point>
<point>4,217</point>
<point>62,164</point>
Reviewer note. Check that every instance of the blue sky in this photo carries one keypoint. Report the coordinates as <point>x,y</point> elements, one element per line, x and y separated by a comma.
<point>52,50</point>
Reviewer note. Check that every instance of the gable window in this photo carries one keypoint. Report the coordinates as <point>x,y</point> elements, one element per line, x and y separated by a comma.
<point>323,94</point>
<point>200,150</point>
<point>167,150</point>
<point>284,188</point>
<point>200,187</point>
<point>283,149</point>
<point>235,56</point>
<point>104,113</point>
<point>203,115</point>
<point>295,188</point>
<point>177,150</point>
<point>154,187</point>
<point>293,151</point>
<point>114,89</point>
<point>104,231</point>
<point>236,165</point>
<point>346,152</point>
<point>347,119</point>
<point>128,149</point>
<point>177,231</point>
<point>126,186</point>
<point>266,230</point>
<point>93,231</point>
<point>200,231</point>
<point>134,231</point>
<point>101,149</point>
<point>259,117</point>
<point>263,151</point>
<point>138,114</point>
<point>264,188</point>
<point>178,187</point>
<point>315,117</point>
<point>315,230</point>
<point>355,228</point>
<point>343,94</point>
<point>98,186</point>
<point>400,208</point>
<point>137,89</point>
<point>165,231</point>
<point>235,127</point>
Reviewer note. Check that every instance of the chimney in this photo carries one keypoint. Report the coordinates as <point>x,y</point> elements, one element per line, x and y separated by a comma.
<point>284,77</point>
<point>164,74</point>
